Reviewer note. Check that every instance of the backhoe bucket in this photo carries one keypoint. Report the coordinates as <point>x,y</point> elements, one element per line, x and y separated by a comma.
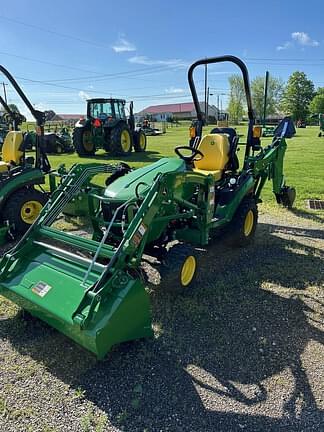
<point>49,282</point>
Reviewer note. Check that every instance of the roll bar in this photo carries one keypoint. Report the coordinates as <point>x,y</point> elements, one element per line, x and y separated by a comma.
<point>246,81</point>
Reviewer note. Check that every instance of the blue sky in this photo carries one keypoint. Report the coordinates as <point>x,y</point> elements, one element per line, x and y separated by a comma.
<point>141,50</point>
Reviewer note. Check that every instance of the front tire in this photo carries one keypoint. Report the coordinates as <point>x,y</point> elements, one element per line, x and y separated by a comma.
<point>23,208</point>
<point>244,223</point>
<point>83,143</point>
<point>179,268</point>
<point>140,141</point>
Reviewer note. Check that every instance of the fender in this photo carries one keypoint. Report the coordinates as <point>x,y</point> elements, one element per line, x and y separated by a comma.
<point>226,209</point>
<point>20,181</point>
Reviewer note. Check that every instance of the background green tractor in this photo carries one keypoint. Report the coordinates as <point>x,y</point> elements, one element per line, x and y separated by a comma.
<point>53,142</point>
<point>21,175</point>
<point>107,127</point>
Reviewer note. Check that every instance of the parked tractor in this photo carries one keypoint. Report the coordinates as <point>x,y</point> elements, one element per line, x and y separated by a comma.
<point>53,142</point>
<point>21,175</point>
<point>107,127</point>
<point>149,130</point>
<point>90,286</point>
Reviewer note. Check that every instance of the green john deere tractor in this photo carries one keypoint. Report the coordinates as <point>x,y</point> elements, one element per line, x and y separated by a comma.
<point>53,142</point>
<point>107,127</point>
<point>89,286</point>
<point>21,176</point>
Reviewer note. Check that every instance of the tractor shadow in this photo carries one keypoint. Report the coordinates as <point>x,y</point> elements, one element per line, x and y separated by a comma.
<point>220,358</point>
<point>304,214</point>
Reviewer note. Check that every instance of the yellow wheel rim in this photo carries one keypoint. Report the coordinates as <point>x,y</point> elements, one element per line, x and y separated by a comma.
<point>30,211</point>
<point>142,141</point>
<point>87,141</point>
<point>125,141</point>
<point>188,270</point>
<point>248,223</point>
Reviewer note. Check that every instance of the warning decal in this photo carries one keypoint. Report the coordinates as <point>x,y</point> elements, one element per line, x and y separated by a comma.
<point>41,289</point>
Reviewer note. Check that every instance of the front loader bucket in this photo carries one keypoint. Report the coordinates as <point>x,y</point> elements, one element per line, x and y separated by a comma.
<point>59,277</point>
<point>49,283</point>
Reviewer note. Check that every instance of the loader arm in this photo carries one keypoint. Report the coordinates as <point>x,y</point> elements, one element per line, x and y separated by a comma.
<point>128,255</point>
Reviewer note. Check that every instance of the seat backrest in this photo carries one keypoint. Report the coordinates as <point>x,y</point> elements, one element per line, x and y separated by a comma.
<point>11,147</point>
<point>215,148</point>
<point>231,132</point>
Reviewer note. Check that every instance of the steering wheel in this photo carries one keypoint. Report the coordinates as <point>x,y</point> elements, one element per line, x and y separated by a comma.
<point>191,158</point>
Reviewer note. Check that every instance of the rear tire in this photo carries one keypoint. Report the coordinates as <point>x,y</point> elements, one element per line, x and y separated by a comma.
<point>121,140</point>
<point>179,268</point>
<point>244,223</point>
<point>82,141</point>
<point>23,208</point>
<point>140,141</point>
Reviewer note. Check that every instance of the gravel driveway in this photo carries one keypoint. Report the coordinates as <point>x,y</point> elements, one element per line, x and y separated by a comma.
<point>244,351</point>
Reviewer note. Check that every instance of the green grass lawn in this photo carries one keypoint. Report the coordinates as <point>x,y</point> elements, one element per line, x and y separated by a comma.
<point>304,162</point>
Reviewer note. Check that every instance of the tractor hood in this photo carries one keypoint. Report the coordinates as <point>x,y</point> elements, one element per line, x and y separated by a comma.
<point>124,187</point>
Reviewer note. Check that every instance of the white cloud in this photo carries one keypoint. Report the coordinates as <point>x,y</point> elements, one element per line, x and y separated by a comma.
<point>174,90</point>
<point>83,95</point>
<point>144,60</point>
<point>298,38</point>
<point>304,39</point>
<point>123,45</point>
<point>284,46</point>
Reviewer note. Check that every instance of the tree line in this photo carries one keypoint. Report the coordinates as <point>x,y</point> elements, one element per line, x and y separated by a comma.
<point>298,98</point>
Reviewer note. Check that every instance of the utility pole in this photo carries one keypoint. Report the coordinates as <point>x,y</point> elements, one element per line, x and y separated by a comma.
<point>265,96</point>
<point>207,105</point>
<point>4,92</point>
<point>206,97</point>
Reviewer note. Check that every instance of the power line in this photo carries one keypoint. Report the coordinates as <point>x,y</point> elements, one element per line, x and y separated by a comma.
<point>282,59</point>
<point>134,97</point>
<point>134,73</point>
<point>97,77</point>
<point>54,32</point>
<point>45,62</point>
<point>82,70</point>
